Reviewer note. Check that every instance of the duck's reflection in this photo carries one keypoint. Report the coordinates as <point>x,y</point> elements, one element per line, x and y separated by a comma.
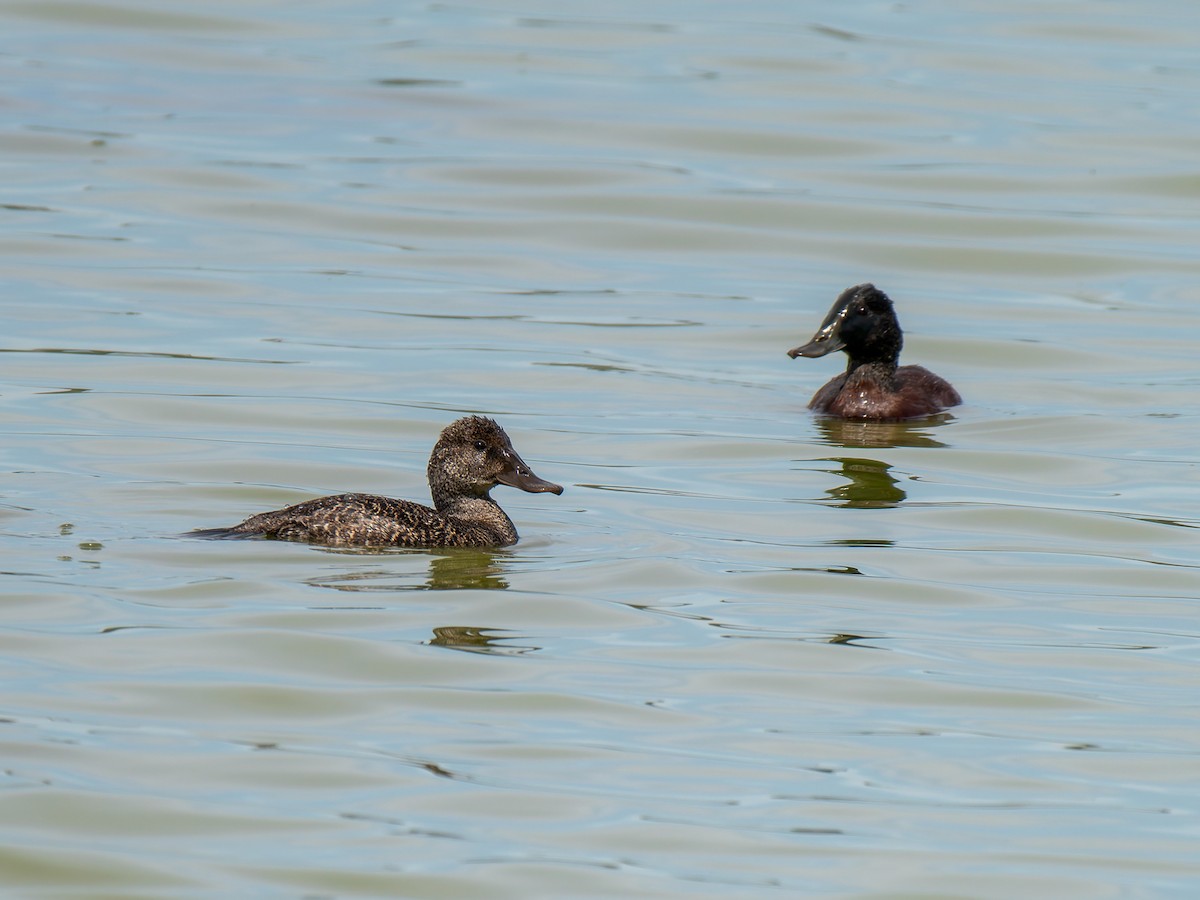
<point>857,433</point>
<point>447,570</point>
<point>480,570</point>
<point>861,542</point>
<point>869,485</point>
<point>479,640</point>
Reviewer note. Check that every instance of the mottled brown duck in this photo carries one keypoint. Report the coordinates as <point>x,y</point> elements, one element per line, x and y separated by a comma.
<point>471,457</point>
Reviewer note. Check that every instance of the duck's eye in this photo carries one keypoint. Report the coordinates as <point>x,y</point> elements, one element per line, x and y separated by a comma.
<point>481,445</point>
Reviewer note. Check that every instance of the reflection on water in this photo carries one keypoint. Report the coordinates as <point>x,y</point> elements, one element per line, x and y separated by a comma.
<point>861,542</point>
<point>849,433</point>
<point>851,639</point>
<point>449,570</point>
<point>869,484</point>
<point>461,569</point>
<point>478,640</point>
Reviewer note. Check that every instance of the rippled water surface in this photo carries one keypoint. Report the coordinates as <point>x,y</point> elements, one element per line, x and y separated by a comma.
<point>256,252</point>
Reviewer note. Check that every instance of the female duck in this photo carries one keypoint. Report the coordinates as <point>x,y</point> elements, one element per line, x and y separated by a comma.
<point>863,323</point>
<point>470,458</point>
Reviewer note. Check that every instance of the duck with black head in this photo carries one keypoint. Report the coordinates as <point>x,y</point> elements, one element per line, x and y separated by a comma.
<point>874,385</point>
<point>471,457</point>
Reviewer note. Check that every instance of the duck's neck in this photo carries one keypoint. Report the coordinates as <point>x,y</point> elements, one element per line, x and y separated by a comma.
<point>880,369</point>
<point>877,354</point>
<point>476,510</point>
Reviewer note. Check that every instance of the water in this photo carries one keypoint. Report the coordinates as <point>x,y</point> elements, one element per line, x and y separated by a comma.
<point>259,252</point>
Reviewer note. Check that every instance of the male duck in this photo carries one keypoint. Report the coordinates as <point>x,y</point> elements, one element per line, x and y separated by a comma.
<point>471,457</point>
<point>863,323</point>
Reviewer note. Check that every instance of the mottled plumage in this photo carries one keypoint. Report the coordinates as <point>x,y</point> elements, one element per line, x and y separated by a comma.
<point>863,323</point>
<point>471,457</point>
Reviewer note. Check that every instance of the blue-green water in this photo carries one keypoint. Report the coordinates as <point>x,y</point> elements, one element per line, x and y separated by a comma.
<point>260,252</point>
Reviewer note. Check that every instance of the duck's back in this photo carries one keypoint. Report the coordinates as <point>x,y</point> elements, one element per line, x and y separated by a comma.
<point>865,394</point>
<point>366,519</point>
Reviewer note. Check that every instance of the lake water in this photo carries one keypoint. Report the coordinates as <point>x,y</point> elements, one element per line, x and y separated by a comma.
<point>257,252</point>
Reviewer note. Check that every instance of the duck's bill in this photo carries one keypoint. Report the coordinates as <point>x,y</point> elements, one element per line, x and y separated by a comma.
<point>521,476</point>
<point>828,338</point>
<point>825,342</point>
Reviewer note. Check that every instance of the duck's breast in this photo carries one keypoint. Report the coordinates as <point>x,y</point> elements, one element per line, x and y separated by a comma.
<point>914,391</point>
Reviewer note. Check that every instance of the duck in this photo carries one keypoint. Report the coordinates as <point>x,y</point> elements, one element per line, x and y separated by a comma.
<point>472,455</point>
<point>863,323</point>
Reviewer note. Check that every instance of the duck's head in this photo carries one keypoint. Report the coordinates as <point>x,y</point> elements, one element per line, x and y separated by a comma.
<point>861,322</point>
<point>473,455</point>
